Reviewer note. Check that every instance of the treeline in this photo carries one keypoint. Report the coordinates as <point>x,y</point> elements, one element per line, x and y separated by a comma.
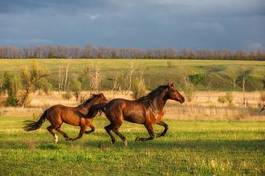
<point>10,52</point>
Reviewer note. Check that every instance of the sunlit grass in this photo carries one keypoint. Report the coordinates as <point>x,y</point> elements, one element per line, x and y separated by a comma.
<point>189,148</point>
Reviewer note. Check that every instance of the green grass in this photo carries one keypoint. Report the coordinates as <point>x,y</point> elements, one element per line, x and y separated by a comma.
<point>189,148</point>
<point>155,72</point>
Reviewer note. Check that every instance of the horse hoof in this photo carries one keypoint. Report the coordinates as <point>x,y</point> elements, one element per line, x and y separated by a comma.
<point>56,139</point>
<point>137,139</point>
<point>125,143</point>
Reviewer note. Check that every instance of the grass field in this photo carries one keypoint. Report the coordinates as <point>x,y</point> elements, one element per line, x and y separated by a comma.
<point>189,148</point>
<point>155,72</point>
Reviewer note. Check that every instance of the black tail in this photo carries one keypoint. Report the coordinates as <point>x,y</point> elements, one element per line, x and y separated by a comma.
<point>32,125</point>
<point>95,109</point>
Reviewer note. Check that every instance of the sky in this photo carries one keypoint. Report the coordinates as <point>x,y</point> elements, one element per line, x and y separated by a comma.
<point>196,24</point>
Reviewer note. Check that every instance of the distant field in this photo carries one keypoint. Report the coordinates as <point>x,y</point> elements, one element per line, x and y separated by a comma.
<point>155,72</point>
<point>190,148</point>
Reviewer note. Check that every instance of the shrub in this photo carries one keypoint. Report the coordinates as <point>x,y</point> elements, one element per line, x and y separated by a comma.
<point>227,98</point>
<point>43,84</point>
<point>33,79</point>
<point>221,99</point>
<point>170,64</point>
<point>12,84</point>
<point>217,81</point>
<point>196,79</point>
<point>262,96</point>
<point>138,87</point>
<point>189,93</point>
<point>75,86</point>
<point>67,95</point>
<point>24,98</point>
<point>11,101</point>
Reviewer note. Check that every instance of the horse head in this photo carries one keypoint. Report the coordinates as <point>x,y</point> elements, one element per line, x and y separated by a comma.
<point>173,94</point>
<point>96,99</point>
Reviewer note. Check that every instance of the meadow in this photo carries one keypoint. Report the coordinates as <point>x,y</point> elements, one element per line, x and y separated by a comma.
<point>189,148</point>
<point>201,74</point>
<point>206,136</point>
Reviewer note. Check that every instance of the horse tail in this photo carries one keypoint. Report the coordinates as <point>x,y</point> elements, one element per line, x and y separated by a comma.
<point>34,125</point>
<point>95,109</point>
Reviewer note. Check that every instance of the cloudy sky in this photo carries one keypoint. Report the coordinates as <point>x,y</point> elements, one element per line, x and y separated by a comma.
<point>197,24</point>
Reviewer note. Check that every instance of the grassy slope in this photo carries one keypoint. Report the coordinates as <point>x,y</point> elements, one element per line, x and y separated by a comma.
<point>155,71</point>
<point>190,148</point>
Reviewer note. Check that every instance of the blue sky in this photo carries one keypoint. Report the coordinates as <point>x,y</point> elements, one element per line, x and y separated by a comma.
<point>197,24</point>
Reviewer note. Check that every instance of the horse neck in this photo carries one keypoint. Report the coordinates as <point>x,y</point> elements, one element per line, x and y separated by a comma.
<point>86,106</point>
<point>159,102</point>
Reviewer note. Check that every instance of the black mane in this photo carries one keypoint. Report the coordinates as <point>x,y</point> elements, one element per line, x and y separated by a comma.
<point>87,101</point>
<point>150,96</point>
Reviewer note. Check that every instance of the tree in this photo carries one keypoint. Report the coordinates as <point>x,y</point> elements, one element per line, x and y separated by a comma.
<point>33,78</point>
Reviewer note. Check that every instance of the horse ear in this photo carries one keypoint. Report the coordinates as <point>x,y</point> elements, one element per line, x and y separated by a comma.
<point>170,84</point>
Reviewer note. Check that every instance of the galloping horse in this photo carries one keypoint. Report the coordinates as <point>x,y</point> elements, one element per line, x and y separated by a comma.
<point>59,114</point>
<point>147,110</point>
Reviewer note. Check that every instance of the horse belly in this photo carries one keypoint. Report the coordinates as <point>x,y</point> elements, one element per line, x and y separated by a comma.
<point>71,119</point>
<point>135,118</point>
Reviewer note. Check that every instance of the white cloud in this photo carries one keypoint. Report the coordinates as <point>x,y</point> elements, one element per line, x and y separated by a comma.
<point>92,16</point>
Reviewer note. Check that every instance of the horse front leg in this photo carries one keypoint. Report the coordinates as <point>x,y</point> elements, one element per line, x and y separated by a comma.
<point>81,132</point>
<point>92,129</point>
<point>161,123</point>
<point>150,130</point>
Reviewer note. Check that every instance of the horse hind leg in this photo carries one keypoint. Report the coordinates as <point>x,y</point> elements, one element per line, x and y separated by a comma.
<point>123,138</point>
<point>150,130</point>
<point>108,129</point>
<point>50,129</point>
<point>66,137</point>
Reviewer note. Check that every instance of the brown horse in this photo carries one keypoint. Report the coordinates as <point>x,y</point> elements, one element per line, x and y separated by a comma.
<point>59,114</point>
<point>147,110</point>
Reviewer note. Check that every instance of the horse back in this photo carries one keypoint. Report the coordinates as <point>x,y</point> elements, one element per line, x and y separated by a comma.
<point>130,110</point>
<point>61,113</point>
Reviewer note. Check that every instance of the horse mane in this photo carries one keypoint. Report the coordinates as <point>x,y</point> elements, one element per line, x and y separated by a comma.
<point>151,95</point>
<point>87,101</point>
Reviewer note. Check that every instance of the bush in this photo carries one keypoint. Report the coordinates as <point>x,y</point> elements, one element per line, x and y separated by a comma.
<point>170,64</point>
<point>189,93</point>
<point>34,78</point>
<point>251,82</point>
<point>24,98</point>
<point>67,95</point>
<point>44,85</point>
<point>12,84</point>
<point>196,79</point>
<point>217,81</point>
<point>227,98</point>
<point>221,99</point>
<point>11,101</point>
<point>138,88</point>
<point>75,86</point>
<point>262,96</point>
